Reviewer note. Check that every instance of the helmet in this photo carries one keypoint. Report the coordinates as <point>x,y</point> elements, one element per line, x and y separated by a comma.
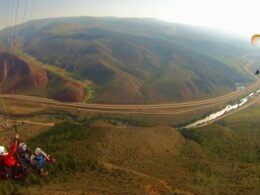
<point>38,151</point>
<point>3,151</point>
<point>23,146</point>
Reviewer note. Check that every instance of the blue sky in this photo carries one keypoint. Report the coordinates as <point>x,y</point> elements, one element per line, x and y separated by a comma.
<point>239,17</point>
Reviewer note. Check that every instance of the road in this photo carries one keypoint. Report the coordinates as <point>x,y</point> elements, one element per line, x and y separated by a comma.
<point>149,109</point>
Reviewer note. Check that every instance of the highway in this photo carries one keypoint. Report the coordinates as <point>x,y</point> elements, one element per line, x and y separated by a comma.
<point>149,109</point>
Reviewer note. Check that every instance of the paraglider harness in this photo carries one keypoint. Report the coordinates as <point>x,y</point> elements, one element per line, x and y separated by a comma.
<point>17,171</point>
<point>25,158</point>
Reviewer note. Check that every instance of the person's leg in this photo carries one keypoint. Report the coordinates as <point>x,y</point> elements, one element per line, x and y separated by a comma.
<point>4,172</point>
<point>20,172</point>
<point>43,173</point>
<point>41,164</point>
<point>15,171</point>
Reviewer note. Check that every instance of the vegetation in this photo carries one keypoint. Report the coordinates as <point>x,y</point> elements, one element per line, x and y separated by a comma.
<point>110,157</point>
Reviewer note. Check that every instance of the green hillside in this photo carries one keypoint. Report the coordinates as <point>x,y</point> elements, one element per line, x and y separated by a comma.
<point>137,60</point>
<point>106,158</point>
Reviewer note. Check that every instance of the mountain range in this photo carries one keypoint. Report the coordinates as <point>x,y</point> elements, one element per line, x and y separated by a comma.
<point>136,60</point>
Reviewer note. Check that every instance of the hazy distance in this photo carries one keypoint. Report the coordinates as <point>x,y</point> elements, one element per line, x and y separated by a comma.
<point>238,17</point>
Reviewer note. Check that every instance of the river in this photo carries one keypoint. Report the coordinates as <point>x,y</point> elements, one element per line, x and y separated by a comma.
<point>229,108</point>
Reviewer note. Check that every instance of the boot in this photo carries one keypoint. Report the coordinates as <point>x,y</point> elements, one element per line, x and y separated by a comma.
<point>43,173</point>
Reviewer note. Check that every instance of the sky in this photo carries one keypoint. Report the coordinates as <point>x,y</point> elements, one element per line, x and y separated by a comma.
<point>241,17</point>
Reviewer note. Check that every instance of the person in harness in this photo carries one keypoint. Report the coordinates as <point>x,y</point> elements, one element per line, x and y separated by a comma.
<point>17,161</point>
<point>24,155</point>
<point>41,157</point>
<point>9,162</point>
